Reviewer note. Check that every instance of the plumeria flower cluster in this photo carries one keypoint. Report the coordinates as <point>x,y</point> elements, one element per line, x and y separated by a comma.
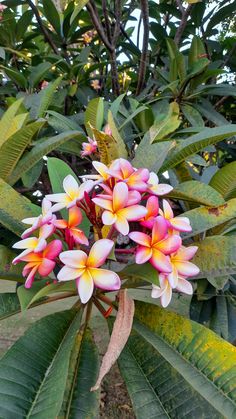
<point>118,200</point>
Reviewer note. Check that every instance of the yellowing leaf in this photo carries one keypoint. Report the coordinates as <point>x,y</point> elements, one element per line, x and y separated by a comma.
<point>115,134</point>
<point>107,146</point>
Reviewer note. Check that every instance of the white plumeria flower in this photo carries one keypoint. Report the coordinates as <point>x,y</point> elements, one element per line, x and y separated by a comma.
<point>73,193</point>
<point>47,217</point>
<point>156,188</point>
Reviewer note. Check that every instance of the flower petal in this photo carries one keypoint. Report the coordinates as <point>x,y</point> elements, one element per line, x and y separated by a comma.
<point>61,223</point>
<point>85,187</point>
<point>166,296</point>
<point>160,261</point>
<point>169,245</point>
<point>58,197</point>
<point>102,169</point>
<point>186,268</point>
<point>30,277</point>
<point>168,213</point>
<point>140,238</point>
<point>103,203</point>
<point>105,279</point>
<point>159,230</point>
<point>79,236</point>
<point>181,224</point>
<point>74,258</point>
<point>157,291</point>
<point>42,244</point>
<point>75,217</point>
<point>66,273</point>
<point>53,249</point>
<point>99,252</point>
<point>184,286</point>
<point>108,218</point>
<point>71,186</point>
<point>122,225</point>
<point>120,196</point>
<point>173,277</point>
<point>133,213</point>
<point>134,197</point>
<point>152,206</point>
<point>186,253</point>
<point>143,254</point>
<point>46,267</point>
<point>29,243</point>
<point>85,287</point>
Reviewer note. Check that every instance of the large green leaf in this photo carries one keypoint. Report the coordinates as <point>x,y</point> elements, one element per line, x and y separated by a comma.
<point>13,208</point>
<point>34,371</point>
<point>199,192</point>
<point>8,271</point>
<point>13,148</point>
<point>165,124</point>
<point>219,16</point>
<point>197,142</point>
<point>9,305</point>
<point>216,256</point>
<point>38,73</point>
<point>186,369</point>
<point>47,96</point>
<point>136,274</point>
<point>79,401</point>
<point>16,76</point>
<point>224,181</point>
<point>8,119</point>
<point>52,15</point>
<point>94,115</point>
<point>151,156</point>
<point>203,219</point>
<point>43,147</point>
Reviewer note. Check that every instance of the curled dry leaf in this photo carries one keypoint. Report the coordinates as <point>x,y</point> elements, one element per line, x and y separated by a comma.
<point>120,333</point>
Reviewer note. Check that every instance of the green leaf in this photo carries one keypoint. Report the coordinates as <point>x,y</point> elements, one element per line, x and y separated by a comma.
<point>47,96</point>
<point>34,371</point>
<point>52,15</point>
<point>216,256</point>
<point>8,271</point>
<point>224,181</point>
<point>199,192</point>
<point>151,156</point>
<point>38,72</point>
<point>8,120</point>
<point>115,133</point>
<point>30,177</point>
<point>62,123</point>
<point>165,124</point>
<point>192,115</point>
<point>203,219</point>
<point>219,16</point>
<point>42,148</point>
<point>13,208</point>
<point>196,50</point>
<point>57,171</point>
<point>136,273</point>
<point>79,401</point>
<point>94,115</point>
<point>13,148</point>
<point>196,143</point>
<point>23,24</point>
<point>15,76</point>
<point>79,6</point>
<point>9,305</point>
<point>209,112</point>
<point>189,367</point>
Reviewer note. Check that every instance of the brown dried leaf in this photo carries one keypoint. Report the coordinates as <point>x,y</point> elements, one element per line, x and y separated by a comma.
<point>120,333</point>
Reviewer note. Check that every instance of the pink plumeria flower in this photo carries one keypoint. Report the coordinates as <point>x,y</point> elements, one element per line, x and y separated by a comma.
<point>152,212</point>
<point>123,170</point>
<point>181,267</point>
<point>156,248</point>
<point>164,292</point>
<point>116,210</point>
<point>134,197</point>
<point>42,262</point>
<point>34,244</point>
<point>47,217</point>
<point>89,148</point>
<point>177,223</point>
<point>73,193</point>
<point>156,188</point>
<point>75,218</point>
<point>84,268</point>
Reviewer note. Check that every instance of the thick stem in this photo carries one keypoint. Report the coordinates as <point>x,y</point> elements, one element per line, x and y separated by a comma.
<point>185,14</point>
